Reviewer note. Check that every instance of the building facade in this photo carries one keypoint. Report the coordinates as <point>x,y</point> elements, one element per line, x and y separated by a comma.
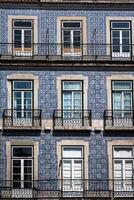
<point>66,99</point>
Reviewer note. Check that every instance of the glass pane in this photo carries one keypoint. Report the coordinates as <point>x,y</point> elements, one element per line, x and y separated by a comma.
<point>74,85</point>
<point>129,169</point>
<point>17,39</point>
<point>18,113</point>
<point>27,95</point>
<point>117,101</point>
<point>22,152</point>
<point>123,152</point>
<point>22,23</point>
<point>71,24</point>
<point>27,163</point>
<point>115,34</point>
<point>22,85</point>
<point>16,184</point>
<point>16,170</point>
<point>27,170</point>
<point>77,102</point>
<point>28,101</point>
<point>76,39</point>
<point>17,177</point>
<point>16,163</point>
<point>125,34</point>
<point>78,169</point>
<point>67,169</point>
<point>116,48</point>
<point>17,101</point>
<point>121,25</point>
<point>127,101</point>
<point>125,42</point>
<point>69,152</point>
<point>118,169</point>
<point>116,42</point>
<point>27,38</point>
<point>126,48</point>
<point>27,177</point>
<point>67,39</point>
<point>67,101</point>
<point>122,85</point>
<point>27,184</point>
<point>17,95</point>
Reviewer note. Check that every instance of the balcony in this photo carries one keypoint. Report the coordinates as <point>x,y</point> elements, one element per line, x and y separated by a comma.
<point>72,120</point>
<point>68,188</point>
<point>58,52</point>
<point>21,119</point>
<point>68,1</point>
<point>119,120</point>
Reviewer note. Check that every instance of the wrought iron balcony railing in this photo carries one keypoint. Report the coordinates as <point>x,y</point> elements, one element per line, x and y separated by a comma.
<point>15,118</point>
<point>72,119</point>
<point>78,188</point>
<point>119,119</point>
<point>68,1</point>
<point>50,51</point>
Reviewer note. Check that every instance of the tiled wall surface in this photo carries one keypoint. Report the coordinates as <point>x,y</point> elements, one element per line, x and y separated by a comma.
<point>96,22</point>
<point>97,100</point>
<point>47,100</point>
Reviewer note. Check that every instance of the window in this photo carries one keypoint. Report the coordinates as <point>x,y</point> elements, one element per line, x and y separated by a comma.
<point>72,168</point>
<point>122,97</point>
<point>22,37</point>
<point>22,166</point>
<point>71,37</point>
<point>121,38</point>
<point>22,95</point>
<point>123,159</point>
<point>72,97</point>
<point>122,103</point>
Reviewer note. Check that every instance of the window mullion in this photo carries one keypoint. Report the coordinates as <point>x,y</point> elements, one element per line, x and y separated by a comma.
<point>14,102</point>
<point>22,173</point>
<point>72,168</point>
<point>22,39</point>
<point>22,103</point>
<point>72,41</point>
<point>122,101</point>
<point>124,169</point>
<point>121,41</point>
<point>73,106</point>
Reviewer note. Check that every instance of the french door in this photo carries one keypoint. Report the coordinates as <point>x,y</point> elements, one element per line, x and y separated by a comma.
<point>72,102</point>
<point>123,175</point>
<point>72,169</point>
<point>71,41</point>
<point>123,169</point>
<point>71,38</point>
<point>22,103</point>
<point>22,171</point>
<point>121,39</point>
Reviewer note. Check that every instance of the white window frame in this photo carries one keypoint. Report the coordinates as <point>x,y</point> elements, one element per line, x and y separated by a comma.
<point>72,116</point>
<point>123,184</point>
<point>73,184</point>
<point>22,51</point>
<point>22,159</point>
<point>122,92</point>
<point>84,38</point>
<point>34,35</point>
<point>22,121</point>
<point>120,53</point>
<point>71,49</point>
<point>72,92</point>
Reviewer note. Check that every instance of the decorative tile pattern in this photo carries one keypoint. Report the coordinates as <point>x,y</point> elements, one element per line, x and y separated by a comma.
<point>97,97</point>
